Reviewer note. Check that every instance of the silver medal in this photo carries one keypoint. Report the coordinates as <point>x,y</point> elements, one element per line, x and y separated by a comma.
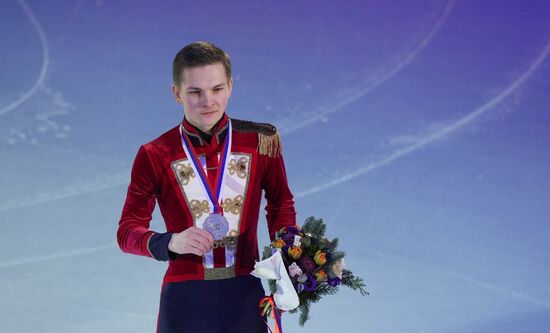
<point>216,225</point>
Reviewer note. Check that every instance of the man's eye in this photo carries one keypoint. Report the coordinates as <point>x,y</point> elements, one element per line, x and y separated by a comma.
<point>193,92</point>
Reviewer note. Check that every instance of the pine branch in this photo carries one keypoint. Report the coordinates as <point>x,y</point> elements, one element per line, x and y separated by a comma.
<point>272,286</point>
<point>353,282</point>
<point>304,313</point>
<point>326,289</point>
<point>337,255</point>
<point>267,252</point>
<point>332,245</point>
<point>314,227</point>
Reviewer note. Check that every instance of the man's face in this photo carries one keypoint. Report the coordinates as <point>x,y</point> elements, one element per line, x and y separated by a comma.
<point>204,93</point>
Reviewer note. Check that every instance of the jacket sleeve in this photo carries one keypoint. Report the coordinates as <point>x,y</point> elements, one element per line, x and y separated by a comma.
<point>280,204</point>
<point>133,235</point>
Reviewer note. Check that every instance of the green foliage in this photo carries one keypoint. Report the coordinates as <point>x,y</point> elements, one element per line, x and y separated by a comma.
<point>306,242</point>
<point>354,282</point>
<point>326,289</point>
<point>337,255</point>
<point>267,252</point>
<point>272,284</point>
<point>304,313</point>
<point>332,245</point>
<point>314,227</point>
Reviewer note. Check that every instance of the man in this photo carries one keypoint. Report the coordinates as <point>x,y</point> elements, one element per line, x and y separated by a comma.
<point>207,175</point>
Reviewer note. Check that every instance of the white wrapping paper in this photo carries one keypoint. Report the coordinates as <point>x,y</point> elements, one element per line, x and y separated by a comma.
<point>273,268</point>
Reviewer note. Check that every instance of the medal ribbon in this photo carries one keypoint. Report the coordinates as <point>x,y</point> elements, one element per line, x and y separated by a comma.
<point>213,192</point>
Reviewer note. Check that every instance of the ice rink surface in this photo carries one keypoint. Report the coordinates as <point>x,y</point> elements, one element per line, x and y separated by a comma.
<point>418,130</point>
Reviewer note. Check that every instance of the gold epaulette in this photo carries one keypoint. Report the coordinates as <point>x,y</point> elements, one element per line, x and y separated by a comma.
<point>269,141</point>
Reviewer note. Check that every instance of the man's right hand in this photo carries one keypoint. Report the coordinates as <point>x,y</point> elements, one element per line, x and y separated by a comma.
<point>192,240</point>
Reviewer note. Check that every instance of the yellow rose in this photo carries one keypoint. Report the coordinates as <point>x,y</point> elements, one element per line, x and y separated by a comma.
<point>295,252</point>
<point>320,275</point>
<point>278,243</point>
<point>320,258</point>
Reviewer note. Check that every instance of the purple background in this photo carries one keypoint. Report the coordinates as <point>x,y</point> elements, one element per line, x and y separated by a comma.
<point>417,129</point>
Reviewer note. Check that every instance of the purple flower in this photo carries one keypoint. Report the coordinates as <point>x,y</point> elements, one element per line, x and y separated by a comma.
<point>294,270</point>
<point>288,238</point>
<point>307,264</point>
<point>310,283</point>
<point>292,230</point>
<point>334,281</point>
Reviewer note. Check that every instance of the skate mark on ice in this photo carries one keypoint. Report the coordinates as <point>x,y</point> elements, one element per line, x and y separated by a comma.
<point>101,183</point>
<point>45,62</point>
<point>58,255</point>
<point>380,80</point>
<point>465,278</point>
<point>447,130</point>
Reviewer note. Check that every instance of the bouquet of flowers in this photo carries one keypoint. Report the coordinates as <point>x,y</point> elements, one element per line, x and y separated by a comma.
<point>303,266</point>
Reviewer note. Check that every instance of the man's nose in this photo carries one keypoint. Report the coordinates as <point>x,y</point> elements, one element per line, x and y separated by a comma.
<point>207,98</point>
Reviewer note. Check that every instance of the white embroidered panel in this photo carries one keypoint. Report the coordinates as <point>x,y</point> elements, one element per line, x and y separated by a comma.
<point>232,196</point>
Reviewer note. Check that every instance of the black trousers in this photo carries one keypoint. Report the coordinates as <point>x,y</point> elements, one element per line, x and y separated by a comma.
<point>212,306</point>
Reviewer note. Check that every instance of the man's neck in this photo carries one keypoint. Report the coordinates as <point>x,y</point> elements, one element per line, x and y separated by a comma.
<point>206,133</point>
<point>206,130</point>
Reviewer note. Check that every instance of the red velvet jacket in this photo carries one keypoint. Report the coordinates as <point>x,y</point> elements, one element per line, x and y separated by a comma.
<point>158,174</point>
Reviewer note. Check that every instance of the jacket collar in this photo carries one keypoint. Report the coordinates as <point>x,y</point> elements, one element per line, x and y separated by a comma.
<point>197,137</point>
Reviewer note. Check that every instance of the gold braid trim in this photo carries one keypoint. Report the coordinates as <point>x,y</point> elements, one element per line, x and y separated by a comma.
<point>269,140</point>
<point>270,145</point>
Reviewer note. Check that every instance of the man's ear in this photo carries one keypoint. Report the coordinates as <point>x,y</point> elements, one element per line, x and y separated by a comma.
<point>230,86</point>
<point>177,93</point>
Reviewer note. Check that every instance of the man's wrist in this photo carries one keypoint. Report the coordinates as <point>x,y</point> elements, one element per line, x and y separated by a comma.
<point>158,246</point>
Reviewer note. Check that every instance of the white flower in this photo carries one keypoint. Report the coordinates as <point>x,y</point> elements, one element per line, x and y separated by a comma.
<point>294,270</point>
<point>338,267</point>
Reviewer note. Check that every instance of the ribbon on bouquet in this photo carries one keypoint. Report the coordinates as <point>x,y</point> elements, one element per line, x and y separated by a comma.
<point>268,309</point>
